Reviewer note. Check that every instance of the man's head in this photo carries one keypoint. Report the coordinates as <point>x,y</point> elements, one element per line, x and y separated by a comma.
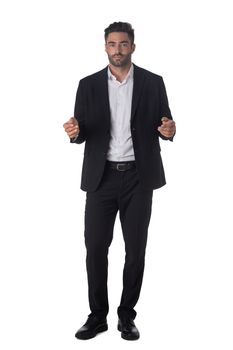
<point>119,43</point>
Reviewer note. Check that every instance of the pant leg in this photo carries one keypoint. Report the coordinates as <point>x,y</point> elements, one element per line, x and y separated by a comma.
<point>100,214</point>
<point>135,212</point>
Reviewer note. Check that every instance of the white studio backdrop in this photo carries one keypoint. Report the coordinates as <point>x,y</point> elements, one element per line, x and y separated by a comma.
<point>186,299</point>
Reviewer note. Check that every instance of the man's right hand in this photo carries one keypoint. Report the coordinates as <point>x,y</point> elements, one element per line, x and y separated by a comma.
<point>72,128</point>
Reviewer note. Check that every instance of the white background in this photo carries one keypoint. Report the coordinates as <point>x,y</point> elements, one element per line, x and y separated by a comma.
<point>186,299</point>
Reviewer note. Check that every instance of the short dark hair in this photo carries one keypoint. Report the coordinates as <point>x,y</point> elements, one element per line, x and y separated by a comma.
<point>120,27</point>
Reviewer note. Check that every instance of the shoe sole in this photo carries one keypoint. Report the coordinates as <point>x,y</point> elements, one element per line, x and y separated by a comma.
<point>100,329</point>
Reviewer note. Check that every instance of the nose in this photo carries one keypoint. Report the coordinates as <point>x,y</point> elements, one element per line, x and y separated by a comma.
<point>118,48</point>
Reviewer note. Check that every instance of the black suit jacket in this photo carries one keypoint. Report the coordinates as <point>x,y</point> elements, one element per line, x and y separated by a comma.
<point>149,105</point>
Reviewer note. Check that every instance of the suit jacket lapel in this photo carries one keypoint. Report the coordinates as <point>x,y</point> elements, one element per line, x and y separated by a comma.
<point>103,93</point>
<point>137,89</point>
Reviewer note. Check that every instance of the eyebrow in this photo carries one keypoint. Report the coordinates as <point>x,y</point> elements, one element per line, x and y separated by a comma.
<point>121,42</point>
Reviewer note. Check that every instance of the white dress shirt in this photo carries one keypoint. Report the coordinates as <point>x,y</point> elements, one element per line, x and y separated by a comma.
<point>120,100</point>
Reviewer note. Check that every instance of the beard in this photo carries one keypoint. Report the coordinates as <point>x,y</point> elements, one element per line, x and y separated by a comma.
<point>120,60</point>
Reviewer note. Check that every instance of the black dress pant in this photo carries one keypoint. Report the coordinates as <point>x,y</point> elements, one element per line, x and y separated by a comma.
<point>118,190</point>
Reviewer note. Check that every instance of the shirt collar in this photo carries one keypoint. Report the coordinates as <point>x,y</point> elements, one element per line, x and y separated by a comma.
<point>128,76</point>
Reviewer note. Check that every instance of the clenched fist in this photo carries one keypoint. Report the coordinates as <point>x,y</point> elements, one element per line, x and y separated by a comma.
<point>72,128</point>
<point>168,127</point>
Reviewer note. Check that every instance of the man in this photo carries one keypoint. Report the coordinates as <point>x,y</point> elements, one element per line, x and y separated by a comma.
<point>120,112</point>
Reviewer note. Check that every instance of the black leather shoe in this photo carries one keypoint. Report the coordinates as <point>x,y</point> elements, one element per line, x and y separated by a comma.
<point>92,327</point>
<point>128,329</point>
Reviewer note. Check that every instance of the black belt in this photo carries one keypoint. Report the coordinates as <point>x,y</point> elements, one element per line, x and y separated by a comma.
<point>121,166</point>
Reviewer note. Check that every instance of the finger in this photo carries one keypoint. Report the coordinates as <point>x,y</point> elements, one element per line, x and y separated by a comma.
<point>68,125</point>
<point>168,123</point>
<point>171,124</point>
<point>72,120</point>
<point>73,134</point>
<point>72,129</point>
<point>165,128</point>
<point>166,131</point>
<point>165,119</point>
<point>169,128</point>
<point>68,128</point>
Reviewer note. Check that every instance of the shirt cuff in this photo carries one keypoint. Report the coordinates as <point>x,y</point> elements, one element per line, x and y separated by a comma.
<point>74,138</point>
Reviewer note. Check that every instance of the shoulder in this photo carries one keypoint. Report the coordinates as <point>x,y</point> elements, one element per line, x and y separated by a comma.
<point>147,74</point>
<point>94,77</point>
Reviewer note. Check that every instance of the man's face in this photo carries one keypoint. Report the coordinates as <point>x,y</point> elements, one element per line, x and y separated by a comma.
<point>119,49</point>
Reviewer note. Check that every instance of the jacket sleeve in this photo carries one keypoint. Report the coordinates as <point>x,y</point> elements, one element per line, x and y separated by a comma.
<point>164,107</point>
<point>79,114</point>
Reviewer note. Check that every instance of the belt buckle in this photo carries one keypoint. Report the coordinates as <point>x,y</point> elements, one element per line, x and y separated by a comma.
<point>119,165</point>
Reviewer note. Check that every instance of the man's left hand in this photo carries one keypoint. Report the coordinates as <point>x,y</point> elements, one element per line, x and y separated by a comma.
<point>168,127</point>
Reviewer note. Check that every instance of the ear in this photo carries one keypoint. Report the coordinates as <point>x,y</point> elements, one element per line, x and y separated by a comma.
<point>133,48</point>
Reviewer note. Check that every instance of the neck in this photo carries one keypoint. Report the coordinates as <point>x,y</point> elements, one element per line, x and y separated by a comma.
<point>120,72</point>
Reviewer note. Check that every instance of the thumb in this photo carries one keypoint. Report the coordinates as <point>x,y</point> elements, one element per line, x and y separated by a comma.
<point>164,119</point>
<point>73,121</point>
